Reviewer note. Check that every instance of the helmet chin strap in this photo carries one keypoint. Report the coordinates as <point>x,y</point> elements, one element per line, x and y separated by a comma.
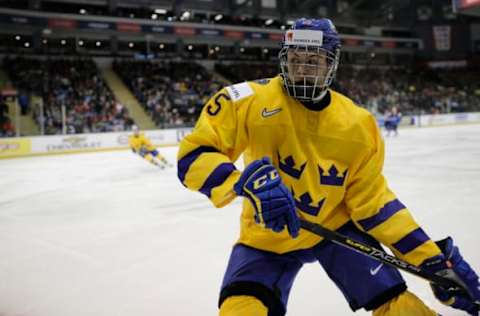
<point>320,97</point>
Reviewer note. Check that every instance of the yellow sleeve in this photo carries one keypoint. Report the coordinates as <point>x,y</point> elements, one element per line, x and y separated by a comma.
<point>133,143</point>
<point>376,210</point>
<point>206,156</point>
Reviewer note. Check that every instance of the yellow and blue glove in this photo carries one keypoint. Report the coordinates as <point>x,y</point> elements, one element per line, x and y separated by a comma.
<point>273,202</point>
<point>450,264</point>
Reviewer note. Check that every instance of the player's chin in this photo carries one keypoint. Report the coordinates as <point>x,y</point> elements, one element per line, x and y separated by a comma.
<point>307,83</point>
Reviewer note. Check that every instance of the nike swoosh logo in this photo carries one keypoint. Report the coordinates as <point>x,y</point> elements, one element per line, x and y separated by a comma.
<point>375,271</point>
<point>266,113</point>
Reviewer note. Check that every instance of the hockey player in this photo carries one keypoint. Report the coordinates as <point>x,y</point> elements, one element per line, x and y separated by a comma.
<point>309,152</point>
<point>392,119</point>
<point>142,146</point>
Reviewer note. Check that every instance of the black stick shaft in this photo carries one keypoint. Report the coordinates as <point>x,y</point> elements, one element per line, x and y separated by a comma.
<point>377,254</point>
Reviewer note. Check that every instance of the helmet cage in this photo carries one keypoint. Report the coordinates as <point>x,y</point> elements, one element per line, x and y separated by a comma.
<point>311,84</point>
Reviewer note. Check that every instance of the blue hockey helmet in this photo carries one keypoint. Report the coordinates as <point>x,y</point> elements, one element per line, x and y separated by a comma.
<point>309,58</point>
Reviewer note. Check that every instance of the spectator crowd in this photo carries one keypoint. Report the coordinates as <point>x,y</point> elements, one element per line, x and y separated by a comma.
<point>411,92</point>
<point>174,92</point>
<point>6,127</point>
<point>380,89</point>
<point>75,85</point>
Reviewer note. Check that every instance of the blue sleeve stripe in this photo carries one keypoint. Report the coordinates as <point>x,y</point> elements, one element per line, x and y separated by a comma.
<point>185,163</point>
<point>411,241</point>
<point>387,211</point>
<point>217,177</point>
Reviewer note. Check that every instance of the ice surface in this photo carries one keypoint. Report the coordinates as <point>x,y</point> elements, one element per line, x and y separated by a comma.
<point>107,234</point>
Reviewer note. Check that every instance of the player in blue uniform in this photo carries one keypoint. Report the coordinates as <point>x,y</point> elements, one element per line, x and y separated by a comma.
<point>309,153</point>
<point>392,120</point>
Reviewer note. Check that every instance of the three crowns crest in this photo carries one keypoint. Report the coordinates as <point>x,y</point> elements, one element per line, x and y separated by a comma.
<point>304,204</point>
<point>289,167</point>
<point>332,177</point>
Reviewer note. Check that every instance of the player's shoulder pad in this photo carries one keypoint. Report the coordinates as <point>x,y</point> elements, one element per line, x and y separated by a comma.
<point>263,81</point>
<point>350,104</point>
<point>239,91</point>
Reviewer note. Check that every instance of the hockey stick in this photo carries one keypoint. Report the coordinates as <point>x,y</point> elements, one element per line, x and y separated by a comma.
<point>381,256</point>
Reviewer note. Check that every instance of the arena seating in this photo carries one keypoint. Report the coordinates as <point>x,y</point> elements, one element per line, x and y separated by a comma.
<point>173,93</point>
<point>74,83</point>
<point>379,89</point>
<point>7,129</point>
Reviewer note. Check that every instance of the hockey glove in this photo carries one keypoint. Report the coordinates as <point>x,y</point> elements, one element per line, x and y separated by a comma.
<point>451,265</point>
<point>273,202</point>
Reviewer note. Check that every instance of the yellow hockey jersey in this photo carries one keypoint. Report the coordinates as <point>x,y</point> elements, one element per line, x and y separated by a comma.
<point>332,161</point>
<point>140,142</point>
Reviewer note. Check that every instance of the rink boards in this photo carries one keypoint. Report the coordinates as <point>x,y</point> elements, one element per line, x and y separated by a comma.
<point>64,144</point>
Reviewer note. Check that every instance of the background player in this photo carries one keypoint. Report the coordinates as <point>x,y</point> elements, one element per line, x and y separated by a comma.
<point>141,145</point>
<point>392,120</point>
<point>310,152</point>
